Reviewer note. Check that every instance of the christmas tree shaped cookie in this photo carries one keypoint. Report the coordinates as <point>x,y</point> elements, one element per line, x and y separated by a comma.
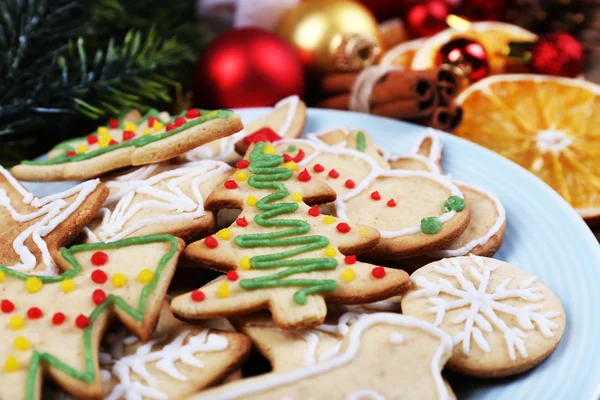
<point>53,324</point>
<point>148,140</point>
<point>280,253</point>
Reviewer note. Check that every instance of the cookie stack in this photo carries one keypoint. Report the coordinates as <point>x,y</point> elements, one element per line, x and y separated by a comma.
<point>221,236</point>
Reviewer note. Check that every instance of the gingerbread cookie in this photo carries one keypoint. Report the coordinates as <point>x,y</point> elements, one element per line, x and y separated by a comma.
<point>53,324</point>
<point>147,141</point>
<point>502,319</point>
<point>426,155</point>
<point>282,254</point>
<point>159,198</point>
<point>35,228</point>
<point>374,345</point>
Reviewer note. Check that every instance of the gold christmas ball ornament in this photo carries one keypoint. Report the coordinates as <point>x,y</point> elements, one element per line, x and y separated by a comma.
<point>332,35</point>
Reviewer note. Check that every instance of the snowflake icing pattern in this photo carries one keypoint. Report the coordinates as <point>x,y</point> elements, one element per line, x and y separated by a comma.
<point>482,307</point>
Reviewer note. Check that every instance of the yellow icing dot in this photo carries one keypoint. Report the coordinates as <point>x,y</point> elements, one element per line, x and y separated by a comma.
<point>103,132</point>
<point>297,197</point>
<point>82,148</point>
<point>67,285</point>
<point>224,234</point>
<point>158,126</point>
<point>348,275</point>
<point>21,343</point>
<point>147,132</point>
<point>363,232</point>
<point>33,284</point>
<point>245,263</point>
<point>119,280</point>
<point>241,176</point>
<point>16,322</point>
<point>330,251</point>
<point>328,219</point>
<point>11,364</point>
<point>223,290</point>
<point>210,114</point>
<point>2,276</point>
<point>291,165</point>
<point>104,141</point>
<point>130,126</point>
<point>251,201</point>
<point>145,276</point>
<point>269,149</point>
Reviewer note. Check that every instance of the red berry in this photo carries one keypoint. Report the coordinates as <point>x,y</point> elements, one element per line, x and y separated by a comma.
<point>198,295</point>
<point>128,135</point>
<point>375,195</point>
<point>318,168</point>
<point>58,318</point>
<point>242,164</point>
<point>304,176</point>
<point>192,113</point>
<point>230,184</point>
<point>211,242</point>
<point>82,321</point>
<point>391,203</point>
<point>179,121</point>
<point>112,142</point>
<point>314,211</point>
<point>350,259</point>
<point>99,258</point>
<point>113,123</point>
<point>71,153</point>
<point>232,276</point>
<point>378,272</point>
<point>151,121</point>
<point>99,276</point>
<point>334,174</point>
<point>343,227</point>
<point>98,296</point>
<point>287,158</point>
<point>170,127</point>
<point>34,313</point>
<point>7,306</point>
<point>350,184</point>
<point>241,222</point>
<point>91,139</point>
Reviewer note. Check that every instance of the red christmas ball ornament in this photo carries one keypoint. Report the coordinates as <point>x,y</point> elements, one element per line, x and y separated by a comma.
<point>483,10</point>
<point>247,67</point>
<point>427,19</point>
<point>557,54</point>
<point>467,55</point>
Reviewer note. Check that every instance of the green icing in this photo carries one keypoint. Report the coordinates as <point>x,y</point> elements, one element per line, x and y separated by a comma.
<point>291,147</point>
<point>265,176</point>
<point>69,254</point>
<point>361,142</point>
<point>431,225</point>
<point>137,142</point>
<point>454,203</point>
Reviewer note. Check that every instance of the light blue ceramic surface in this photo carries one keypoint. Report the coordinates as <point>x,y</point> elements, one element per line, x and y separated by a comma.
<point>544,236</point>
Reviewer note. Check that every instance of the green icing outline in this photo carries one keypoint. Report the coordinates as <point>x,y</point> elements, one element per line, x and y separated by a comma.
<point>88,375</point>
<point>361,141</point>
<point>265,175</point>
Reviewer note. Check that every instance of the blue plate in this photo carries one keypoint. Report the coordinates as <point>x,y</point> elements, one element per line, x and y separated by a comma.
<point>544,236</point>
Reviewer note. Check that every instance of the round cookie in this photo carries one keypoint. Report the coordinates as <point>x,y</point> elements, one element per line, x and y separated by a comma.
<point>502,319</point>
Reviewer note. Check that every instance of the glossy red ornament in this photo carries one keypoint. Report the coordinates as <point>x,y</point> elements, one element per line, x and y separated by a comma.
<point>427,19</point>
<point>247,67</point>
<point>557,54</point>
<point>466,54</point>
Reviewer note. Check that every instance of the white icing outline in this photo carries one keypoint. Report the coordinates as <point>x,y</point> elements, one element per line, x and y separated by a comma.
<point>365,394</point>
<point>316,136</point>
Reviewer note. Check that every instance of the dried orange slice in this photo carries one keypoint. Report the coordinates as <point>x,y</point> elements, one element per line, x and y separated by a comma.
<point>402,54</point>
<point>493,36</point>
<point>549,125</point>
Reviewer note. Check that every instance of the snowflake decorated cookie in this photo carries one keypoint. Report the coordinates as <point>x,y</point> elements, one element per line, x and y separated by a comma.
<point>503,320</point>
<point>149,140</point>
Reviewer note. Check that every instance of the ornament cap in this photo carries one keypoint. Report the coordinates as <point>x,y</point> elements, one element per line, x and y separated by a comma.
<point>354,52</point>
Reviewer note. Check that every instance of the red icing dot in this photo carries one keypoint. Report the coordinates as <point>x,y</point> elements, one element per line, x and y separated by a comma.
<point>391,203</point>
<point>198,295</point>
<point>318,168</point>
<point>375,195</point>
<point>192,113</point>
<point>343,227</point>
<point>99,258</point>
<point>314,211</point>
<point>262,135</point>
<point>34,313</point>
<point>82,321</point>
<point>230,184</point>
<point>378,272</point>
<point>304,176</point>
<point>350,259</point>
<point>287,158</point>
<point>98,296</point>
<point>232,276</point>
<point>350,184</point>
<point>128,135</point>
<point>242,164</point>
<point>99,276</point>
<point>7,306</point>
<point>151,121</point>
<point>170,127</point>
<point>211,242</point>
<point>112,142</point>
<point>71,153</point>
<point>241,222</point>
<point>299,157</point>
<point>113,123</point>
<point>179,121</point>
<point>58,318</point>
<point>334,174</point>
<point>91,139</point>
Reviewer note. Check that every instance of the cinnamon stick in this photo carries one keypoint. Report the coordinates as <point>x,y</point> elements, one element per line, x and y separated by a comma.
<point>448,86</point>
<point>407,108</point>
<point>394,87</point>
<point>446,118</point>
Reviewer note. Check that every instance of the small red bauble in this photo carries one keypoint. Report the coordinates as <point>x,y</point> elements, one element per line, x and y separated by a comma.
<point>232,276</point>
<point>304,176</point>
<point>334,174</point>
<point>82,321</point>
<point>378,272</point>
<point>241,222</point>
<point>58,318</point>
<point>242,164</point>
<point>230,184</point>
<point>198,296</point>
<point>71,153</point>
<point>98,296</point>
<point>91,139</point>
<point>375,195</point>
<point>558,54</point>
<point>112,142</point>
<point>391,203</point>
<point>318,168</point>
<point>343,227</point>
<point>350,184</point>
<point>314,211</point>
<point>179,121</point>
<point>211,242</point>
<point>34,313</point>
<point>466,54</point>
<point>427,19</point>
<point>7,306</point>
<point>99,276</point>
<point>192,113</point>
<point>99,258</point>
<point>170,127</point>
<point>287,158</point>
<point>350,259</point>
<point>113,123</point>
<point>128,135</point>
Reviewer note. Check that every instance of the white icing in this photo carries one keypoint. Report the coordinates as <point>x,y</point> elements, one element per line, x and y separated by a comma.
<point>480,307</point>
<point>292,103</point>
<point>435,151</point>
<point>384,305</point>
<point>258,385</point>
<point>365,394</point>
<point>53,209</point>
<point>396,338</point>
<point>316,136</point>
<point>431,166</point>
